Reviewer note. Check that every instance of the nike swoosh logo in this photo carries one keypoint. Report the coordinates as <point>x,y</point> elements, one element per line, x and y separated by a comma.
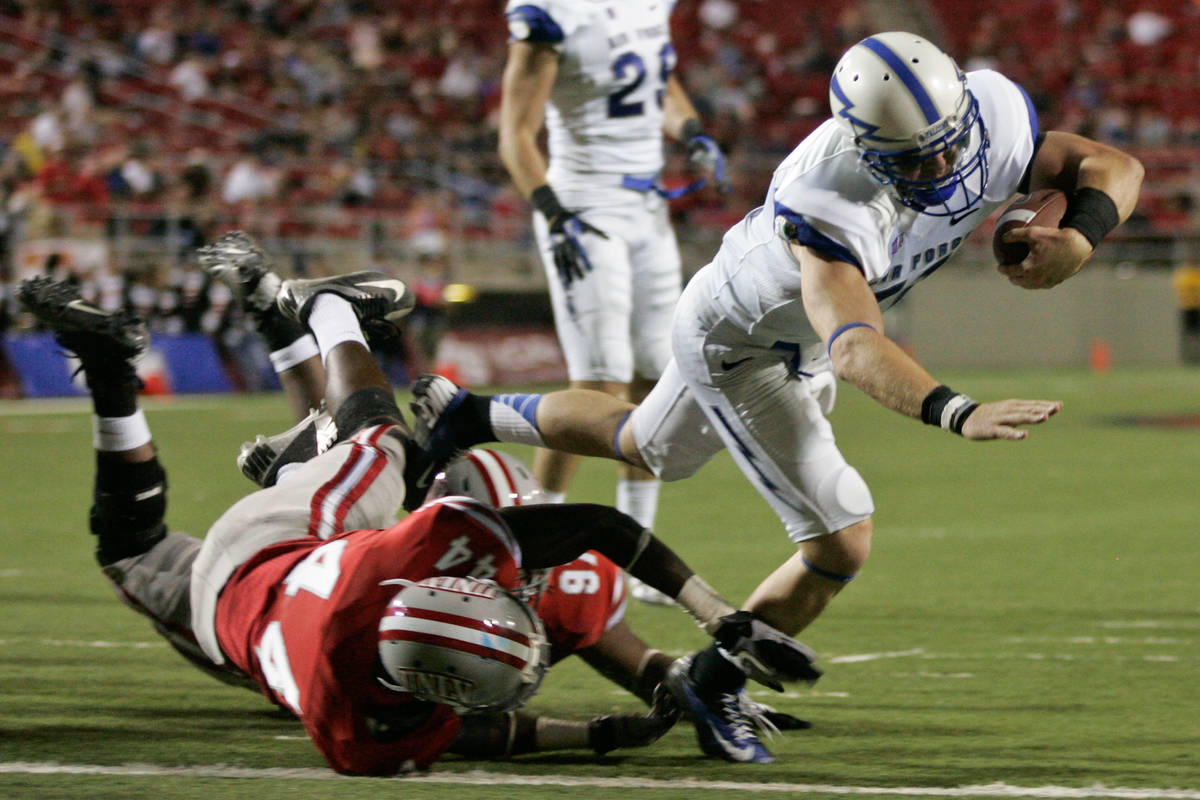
<point>732,364</point>
<point>960,217</point>
<point>80,305</point>
<point>390,284</point>
<point>741,753</point>
<point>705,716</point>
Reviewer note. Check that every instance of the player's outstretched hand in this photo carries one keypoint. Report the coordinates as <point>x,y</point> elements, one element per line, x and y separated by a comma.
<point>615,731</point>
<point>999,420</point>
<point>566,243</point>
<point>766,655</point>
<point>1055,254</point>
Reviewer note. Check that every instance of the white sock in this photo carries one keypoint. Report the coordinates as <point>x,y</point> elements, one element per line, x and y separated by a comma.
<point>554,497</point>
<point>116,434</point>
<point>513,418</point>
<point>638,499</point>
<point>333,322</point>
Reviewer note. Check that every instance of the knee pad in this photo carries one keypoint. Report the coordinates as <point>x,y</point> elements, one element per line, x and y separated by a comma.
<point>129,504</point>
<point>844,498</point>
<point>371,406</point>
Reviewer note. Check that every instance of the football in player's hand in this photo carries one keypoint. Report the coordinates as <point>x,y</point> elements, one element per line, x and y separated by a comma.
<point>1043,208</point>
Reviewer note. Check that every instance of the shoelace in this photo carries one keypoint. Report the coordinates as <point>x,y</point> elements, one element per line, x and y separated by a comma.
<point>740,723</point>
<point>755,714</point>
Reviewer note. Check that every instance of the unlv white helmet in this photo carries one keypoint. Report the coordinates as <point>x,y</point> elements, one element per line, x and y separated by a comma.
<point>500,480</point>
<point>464,642</point>
<point>915,123</point>
<point>490,476</point>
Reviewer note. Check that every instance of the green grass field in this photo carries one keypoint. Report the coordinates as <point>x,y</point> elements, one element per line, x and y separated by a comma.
<point>1029,621</point>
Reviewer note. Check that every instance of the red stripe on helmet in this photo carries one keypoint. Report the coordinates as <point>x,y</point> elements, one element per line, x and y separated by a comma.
<point>514,491</point>
<point>454,644</point>
<point>480,625</point>
<point>493,494</point>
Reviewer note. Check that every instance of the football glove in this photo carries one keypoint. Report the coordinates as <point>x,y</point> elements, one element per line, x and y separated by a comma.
<point>766,655</point>
<point>705,154</point>
<point>570,258</point>
<point>769,720</point>
<point>614,731</point>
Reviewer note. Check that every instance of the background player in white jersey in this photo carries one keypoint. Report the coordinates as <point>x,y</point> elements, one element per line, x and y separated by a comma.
<point>600,76</point>
<point>916,156</point>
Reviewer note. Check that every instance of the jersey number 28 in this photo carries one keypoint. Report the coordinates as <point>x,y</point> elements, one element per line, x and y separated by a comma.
<point>631,68</point>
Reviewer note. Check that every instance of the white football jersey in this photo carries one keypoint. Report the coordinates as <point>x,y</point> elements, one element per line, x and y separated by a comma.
<point>821,188</point>
<point>605,111</point>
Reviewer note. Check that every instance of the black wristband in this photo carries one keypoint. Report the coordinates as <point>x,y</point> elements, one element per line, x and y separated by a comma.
<point>545,200</point>
<point>947,409</point>
<point>1091,212</point>
<point>690,130</point>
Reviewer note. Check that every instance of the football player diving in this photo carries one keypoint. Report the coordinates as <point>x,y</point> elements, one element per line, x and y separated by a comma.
<point>915,156</point>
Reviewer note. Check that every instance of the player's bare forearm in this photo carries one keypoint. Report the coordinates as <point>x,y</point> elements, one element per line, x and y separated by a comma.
<point>529,75</point>
<point>677,108</point>
<point>844,313</point>
<point>1068,162</point>
<point>882,370</point>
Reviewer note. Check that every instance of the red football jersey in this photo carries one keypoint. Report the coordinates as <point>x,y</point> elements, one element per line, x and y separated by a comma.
<point>581,601</point>
<point>302,619</point>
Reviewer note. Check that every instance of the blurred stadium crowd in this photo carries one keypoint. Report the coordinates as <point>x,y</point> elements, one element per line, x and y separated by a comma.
<point>373,123</point>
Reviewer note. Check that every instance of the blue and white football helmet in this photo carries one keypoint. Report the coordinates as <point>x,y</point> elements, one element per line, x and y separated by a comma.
<point>915,123</point>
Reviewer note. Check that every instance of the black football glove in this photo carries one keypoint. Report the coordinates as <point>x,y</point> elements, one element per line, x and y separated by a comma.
<point>766,655</point>
<point>786,722</point>
<point>570,258</point>
<point>614,731</point>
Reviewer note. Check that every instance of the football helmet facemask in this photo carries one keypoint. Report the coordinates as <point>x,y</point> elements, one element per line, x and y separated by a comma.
<point>465,642</point>
<point>916,125</point>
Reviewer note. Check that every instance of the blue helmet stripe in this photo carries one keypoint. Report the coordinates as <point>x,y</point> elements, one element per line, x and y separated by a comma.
<point>906,76</point>
<point>861,126</point>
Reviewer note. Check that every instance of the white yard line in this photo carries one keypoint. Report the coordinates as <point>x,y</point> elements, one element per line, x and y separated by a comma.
<point>482,778</point>
<point>856,659</point>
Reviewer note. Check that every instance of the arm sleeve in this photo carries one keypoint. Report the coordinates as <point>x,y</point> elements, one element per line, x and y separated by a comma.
<point>554,534</point>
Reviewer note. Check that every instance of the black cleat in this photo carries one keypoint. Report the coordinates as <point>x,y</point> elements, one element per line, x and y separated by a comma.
<point>100,339</point>
<point>261,459</point>
<point>374,296</point>
<point>238,262</point>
